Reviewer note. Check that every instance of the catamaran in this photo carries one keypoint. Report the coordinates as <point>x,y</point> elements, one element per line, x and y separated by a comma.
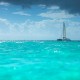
<point>64,38</point>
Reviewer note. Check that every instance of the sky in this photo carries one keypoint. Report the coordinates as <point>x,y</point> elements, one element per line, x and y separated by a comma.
<point>39,19</point>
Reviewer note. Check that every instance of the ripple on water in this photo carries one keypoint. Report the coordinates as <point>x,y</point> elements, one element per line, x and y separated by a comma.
<point>39,60</point>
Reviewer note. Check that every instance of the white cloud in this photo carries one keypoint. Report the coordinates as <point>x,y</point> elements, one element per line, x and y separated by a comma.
<point>42,6</point>
<point>4,4</point>
<point>21,13</point>
<point>4,21</point>
<point>5,25</point>
<point>56,15</point>
<point>45,29</point>
<point>53,8</point>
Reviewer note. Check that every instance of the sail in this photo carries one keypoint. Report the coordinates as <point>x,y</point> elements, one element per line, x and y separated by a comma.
<point>64,38</point>
<point>64,31</point>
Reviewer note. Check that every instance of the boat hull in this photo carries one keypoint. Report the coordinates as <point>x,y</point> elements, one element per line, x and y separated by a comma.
<point>63,39</point>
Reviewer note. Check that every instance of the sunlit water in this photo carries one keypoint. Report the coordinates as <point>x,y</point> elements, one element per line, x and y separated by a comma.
<point>39,60</point>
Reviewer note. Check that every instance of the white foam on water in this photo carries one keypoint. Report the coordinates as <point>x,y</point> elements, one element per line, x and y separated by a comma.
<point>47,48</point>
<point>41,42</point>
<point>19,42</point>
<point>56,50</point>
<point>3,41</point>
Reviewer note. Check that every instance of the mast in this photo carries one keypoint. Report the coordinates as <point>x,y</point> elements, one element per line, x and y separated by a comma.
<point>64,38</point>
<point>64,31</point>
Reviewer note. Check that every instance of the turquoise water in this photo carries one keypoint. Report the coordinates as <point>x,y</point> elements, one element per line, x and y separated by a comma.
<point>39,60</point>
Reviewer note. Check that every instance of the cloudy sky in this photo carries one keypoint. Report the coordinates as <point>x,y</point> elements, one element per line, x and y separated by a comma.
<point>39,19</point>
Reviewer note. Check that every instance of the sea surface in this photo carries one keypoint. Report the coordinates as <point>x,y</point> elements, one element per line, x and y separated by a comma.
<point>39,60</point>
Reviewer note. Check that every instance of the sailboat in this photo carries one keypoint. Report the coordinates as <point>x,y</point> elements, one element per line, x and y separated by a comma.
<point>64,38</point>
